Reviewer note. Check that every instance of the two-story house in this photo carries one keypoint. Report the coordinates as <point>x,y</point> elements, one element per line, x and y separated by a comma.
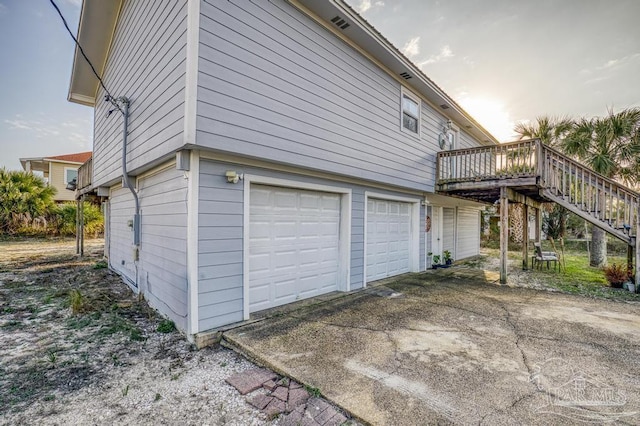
<point>58,171</point>
<point>275,151</point>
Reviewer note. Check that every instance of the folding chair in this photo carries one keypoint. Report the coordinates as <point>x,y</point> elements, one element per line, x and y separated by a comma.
<point>545,256</point>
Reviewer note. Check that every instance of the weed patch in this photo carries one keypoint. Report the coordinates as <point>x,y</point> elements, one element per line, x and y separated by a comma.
<point>76,310</point>
<point>166,326</point>
<point>313,391</point>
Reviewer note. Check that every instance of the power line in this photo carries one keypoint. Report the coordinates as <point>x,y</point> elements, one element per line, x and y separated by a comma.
<point>64,21</point>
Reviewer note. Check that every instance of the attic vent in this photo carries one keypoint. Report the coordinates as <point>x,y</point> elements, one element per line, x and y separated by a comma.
<point>340,23</point>
<point>405,75</point>
<point>444,106</point>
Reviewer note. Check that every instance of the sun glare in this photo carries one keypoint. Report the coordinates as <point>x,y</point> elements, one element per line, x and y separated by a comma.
<point>491,114</point>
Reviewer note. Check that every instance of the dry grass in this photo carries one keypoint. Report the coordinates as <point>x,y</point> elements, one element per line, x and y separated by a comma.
<point>61,320</point>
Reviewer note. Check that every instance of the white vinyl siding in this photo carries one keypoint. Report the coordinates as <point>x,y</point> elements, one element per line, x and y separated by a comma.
<point>121,209</point>
<point>274,85</point>
<point>388,238</point>
<point>163,249</point>
<point>294,242</point>
<point>147,65</point>
<point>220,244</point>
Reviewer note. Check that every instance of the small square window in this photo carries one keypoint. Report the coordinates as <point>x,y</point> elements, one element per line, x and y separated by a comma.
<point>70,174</point>
<point>410,113</point>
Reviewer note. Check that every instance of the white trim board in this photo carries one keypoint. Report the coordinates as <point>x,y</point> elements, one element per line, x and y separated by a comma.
<point>414,261</point>
<point>338,179</point>
<point>193,196</point>
<point>344,275</point>
<point>191,71</point>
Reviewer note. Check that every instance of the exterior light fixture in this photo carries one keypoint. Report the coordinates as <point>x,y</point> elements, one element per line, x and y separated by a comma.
<point>233,176</point>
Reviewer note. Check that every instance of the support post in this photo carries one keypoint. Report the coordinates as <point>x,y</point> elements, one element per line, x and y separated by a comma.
<point>504,234</point>
<point>78,226</point>
<point>637,247</point>
<point>81,210</point>
<point>538,225</point>
<point>630,255</point>
<point>525,237</point>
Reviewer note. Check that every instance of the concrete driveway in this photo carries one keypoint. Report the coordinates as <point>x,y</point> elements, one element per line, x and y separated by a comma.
<point>453,348</point>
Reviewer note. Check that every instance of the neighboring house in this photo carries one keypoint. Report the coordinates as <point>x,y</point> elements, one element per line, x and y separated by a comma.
<point>279,150</point>
<point>58,171</point>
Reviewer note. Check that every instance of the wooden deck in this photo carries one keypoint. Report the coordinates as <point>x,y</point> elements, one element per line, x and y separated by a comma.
<point>531,173</point>
<point>84,177</point>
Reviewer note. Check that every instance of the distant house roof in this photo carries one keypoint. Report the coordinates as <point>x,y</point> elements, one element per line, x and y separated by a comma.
<point>41,163</point>
<point>79,157</point>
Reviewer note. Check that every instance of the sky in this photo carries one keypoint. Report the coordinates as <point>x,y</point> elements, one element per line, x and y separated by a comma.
<point>36,120</point>
<point>507,61</point>
<point>504,61</point>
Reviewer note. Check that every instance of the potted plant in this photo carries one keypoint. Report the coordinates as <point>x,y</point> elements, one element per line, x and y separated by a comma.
<point>435,264</point>
<point>616,275</point>
<point>448,260</point>
<point>631,281</point>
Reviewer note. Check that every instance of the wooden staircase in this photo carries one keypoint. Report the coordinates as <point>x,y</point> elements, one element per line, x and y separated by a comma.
<point>532,173</point>
<point>541,174</point>
<point>601,201</point>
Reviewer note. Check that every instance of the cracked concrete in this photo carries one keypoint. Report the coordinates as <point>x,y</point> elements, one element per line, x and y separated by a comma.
<point>437,348</point>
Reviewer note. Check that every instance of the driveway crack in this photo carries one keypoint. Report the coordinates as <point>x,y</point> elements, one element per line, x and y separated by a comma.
<point>387,333</point>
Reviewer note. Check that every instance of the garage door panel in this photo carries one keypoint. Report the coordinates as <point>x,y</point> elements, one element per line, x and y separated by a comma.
<point>330,254</point>
<point>293,244</point>
<point>285,289</point>
<point>388,238</point>
<point>309,202</point>
<point>448,229</point>
<point>261,294</point>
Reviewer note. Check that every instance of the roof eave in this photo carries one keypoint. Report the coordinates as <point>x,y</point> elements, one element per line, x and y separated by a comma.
<point>96,27</point>
<point>53,160</point>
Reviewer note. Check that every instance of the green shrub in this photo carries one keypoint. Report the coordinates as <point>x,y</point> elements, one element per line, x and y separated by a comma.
<point>25,199</point>
<point>64,219</point>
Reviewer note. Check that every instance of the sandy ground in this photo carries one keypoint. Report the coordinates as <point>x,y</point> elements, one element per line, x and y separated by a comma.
<point>106,363</point>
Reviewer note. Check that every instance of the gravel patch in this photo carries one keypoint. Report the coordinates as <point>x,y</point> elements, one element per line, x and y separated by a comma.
<point>105,363</point>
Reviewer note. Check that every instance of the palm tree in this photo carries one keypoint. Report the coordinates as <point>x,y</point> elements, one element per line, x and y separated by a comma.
<point>550,130</point>
<point>23,197</point>
<point>610,146</point>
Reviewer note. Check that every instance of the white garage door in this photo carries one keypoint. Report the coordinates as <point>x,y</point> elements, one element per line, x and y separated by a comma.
<point>449,229</point>
<point>388,238</point>
<point>293,245</point>
<point>468,232</point>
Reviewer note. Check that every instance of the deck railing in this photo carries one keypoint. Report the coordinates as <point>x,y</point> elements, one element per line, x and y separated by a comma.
<point>561,179</point>
<point>516,159</point>
<point>84,174</point>
<point>591,193</point>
